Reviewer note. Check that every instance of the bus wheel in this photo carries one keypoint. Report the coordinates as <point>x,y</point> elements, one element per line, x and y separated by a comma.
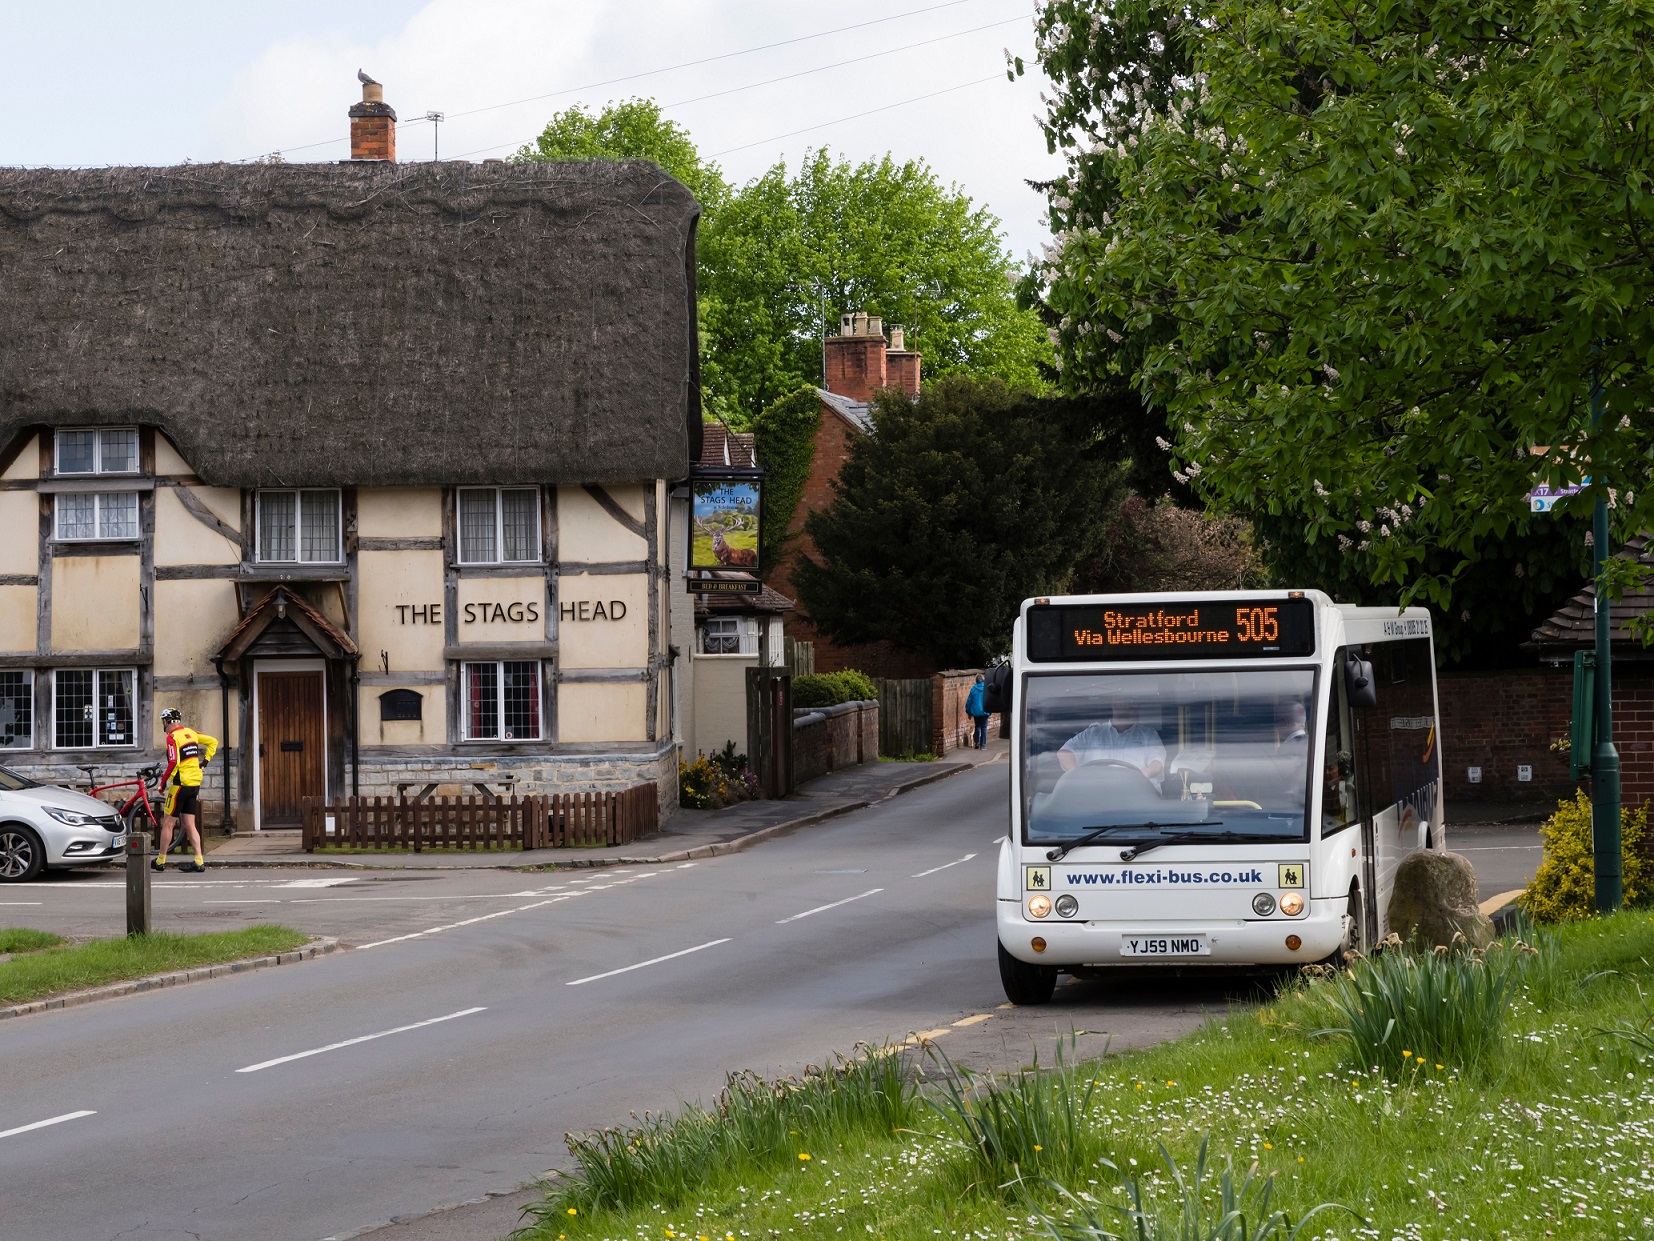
<point>1024,983</point>
<point>1358,937</point>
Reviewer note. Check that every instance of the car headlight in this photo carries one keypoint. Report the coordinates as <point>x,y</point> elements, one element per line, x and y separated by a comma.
<point>74,818</point>
<point>1039,906</point>
<point>1067,906</point>
<point>1263,904</point>
<point>1292,904</point>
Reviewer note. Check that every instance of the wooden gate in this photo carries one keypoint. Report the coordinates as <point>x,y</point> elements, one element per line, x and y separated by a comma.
<point>543,821</point>
<point>770,729</point>
<point>904,717</point>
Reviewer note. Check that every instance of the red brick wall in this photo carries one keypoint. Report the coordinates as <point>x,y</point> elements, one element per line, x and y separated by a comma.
<point>950,728</point>
<point>902,371</point>
<point>1498,720</point>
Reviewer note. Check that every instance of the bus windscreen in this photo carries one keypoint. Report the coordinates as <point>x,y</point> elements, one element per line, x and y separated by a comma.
<point>1171,629</point>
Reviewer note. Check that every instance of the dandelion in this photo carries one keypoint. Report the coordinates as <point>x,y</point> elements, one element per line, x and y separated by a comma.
<point>803,1156</point>
<point>1269,1146</point>
<point>1039,1148</point>
<point>572,1211</point>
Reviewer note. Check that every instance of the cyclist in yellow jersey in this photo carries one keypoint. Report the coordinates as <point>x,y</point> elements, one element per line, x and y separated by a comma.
<point>187,750</point>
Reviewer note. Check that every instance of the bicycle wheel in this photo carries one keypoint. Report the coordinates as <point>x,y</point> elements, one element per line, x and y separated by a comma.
<point>139,820</point>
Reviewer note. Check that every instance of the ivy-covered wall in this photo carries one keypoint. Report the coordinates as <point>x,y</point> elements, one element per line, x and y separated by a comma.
<point>785,443</point>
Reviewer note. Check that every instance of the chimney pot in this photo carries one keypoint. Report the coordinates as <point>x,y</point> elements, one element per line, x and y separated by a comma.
<point>897,338</point>
<point>875,325</point>
<point>847,325</point>
<point>372,125</point>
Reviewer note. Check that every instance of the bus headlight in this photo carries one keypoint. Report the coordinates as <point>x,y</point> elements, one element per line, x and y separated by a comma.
<point>1067,906</point>
<point>1039,906</point>
<point>1263,904</point>
<point>1292,904</point>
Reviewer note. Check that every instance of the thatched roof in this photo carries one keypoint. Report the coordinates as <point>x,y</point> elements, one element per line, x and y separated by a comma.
<point>361,323</point>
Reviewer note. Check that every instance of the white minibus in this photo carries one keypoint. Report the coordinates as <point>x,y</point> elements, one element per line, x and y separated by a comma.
<point>1208,780</point>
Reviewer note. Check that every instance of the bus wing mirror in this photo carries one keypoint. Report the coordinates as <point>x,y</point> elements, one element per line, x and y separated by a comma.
<point>996,690</point>
<point>1358,681</point>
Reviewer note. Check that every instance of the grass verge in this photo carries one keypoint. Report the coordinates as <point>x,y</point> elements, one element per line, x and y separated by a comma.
<point>22,939</point>
<point>1549,1133</point>
<point>53,970</point>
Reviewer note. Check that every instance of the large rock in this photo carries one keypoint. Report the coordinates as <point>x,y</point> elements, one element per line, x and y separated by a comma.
<point>1435,900</point>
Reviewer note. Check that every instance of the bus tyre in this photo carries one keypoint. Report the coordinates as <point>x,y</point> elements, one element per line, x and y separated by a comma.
<point>1024,983</point>
<point>1358,936</point>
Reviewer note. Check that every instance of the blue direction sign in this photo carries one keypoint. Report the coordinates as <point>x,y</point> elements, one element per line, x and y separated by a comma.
<point>1542,499</point>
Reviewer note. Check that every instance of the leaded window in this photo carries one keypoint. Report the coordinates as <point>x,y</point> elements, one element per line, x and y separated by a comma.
<point>16,709</point>
<point>502,701</point>
<point>97,515</point>
<point>93,708</point>
<point>300,526</point>
<point>98,451</point>
<point>499,525</point>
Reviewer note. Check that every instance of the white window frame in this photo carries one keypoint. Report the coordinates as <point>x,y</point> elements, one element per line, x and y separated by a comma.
<point>499,708</point>
<point>97,535</point>
<point>744,630</point>
<point>97,434</point>
<point>499,526</point>
<point>29,683</point>
<point>97,683</point>
<point>298,494</point>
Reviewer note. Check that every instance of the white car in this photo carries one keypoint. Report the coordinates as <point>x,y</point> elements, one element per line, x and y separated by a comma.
<point>47,826</point>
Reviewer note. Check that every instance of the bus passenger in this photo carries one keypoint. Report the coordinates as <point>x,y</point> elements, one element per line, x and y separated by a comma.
<point>1122,740</point>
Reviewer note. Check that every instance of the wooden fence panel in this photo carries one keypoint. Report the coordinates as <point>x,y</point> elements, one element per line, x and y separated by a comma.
<point>904,716</point>
<point>542,821</point>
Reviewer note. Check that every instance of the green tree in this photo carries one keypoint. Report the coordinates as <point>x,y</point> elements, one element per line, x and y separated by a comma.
<point>835,236</point>
<point>960,505</point>
<point>791,249</point>
<point>630,129</point>
<point>1369,259</point>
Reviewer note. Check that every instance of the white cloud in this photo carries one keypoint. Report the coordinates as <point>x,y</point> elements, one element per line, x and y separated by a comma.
<point>458,56</point>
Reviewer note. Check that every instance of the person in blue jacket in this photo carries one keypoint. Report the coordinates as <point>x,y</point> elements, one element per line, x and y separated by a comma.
<point>973,708</point>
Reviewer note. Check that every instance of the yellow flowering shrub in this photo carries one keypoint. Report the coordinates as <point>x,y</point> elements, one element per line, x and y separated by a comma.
<point>1564,890</point>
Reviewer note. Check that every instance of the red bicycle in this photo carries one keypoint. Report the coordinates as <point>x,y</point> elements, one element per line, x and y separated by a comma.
<point>138,812</point>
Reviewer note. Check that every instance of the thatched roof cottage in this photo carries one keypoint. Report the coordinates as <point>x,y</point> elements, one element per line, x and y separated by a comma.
<point>365,466</point>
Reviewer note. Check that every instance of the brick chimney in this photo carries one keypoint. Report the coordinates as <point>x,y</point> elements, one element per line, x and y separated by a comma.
<point>901,364</point>
<point>855,357</point>
<point>372,124</point>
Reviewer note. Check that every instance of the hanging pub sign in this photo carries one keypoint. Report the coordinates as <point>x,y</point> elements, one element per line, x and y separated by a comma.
<point>725,515</point>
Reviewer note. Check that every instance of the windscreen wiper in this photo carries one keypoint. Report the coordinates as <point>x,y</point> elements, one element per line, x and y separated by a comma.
<point>1097,833</point>
<point>1182,837</point>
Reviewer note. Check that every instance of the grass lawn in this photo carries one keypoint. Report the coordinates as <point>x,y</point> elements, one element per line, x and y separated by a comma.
<point>52,970</point>
<point>1552,1135</point>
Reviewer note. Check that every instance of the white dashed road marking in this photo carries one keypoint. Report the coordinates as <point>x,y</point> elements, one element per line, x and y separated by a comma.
<point>823,908</point>
<point>41,1124</point>
<point>351,1042</point>
<point>627,969</point>
<point>934,869</point>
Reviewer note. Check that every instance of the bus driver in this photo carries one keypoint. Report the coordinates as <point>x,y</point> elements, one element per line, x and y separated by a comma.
<point>1122,740</point>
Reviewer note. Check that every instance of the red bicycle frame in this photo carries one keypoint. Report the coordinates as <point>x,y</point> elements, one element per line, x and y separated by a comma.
<point>137,812</point>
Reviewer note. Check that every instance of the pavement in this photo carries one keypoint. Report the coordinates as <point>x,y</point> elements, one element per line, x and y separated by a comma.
<point>687,834</point>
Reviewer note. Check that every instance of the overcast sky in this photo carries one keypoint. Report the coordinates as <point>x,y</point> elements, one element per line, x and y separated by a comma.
<point>159,82</point>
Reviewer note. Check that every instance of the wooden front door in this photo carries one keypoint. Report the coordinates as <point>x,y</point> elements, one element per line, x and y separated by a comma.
<point>292,746</point>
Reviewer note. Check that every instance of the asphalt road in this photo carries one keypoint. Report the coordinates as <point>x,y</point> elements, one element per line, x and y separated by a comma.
<point>480,1015</point>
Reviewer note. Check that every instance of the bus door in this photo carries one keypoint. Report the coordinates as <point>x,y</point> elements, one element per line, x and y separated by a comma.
<point>1346,803</point>
<point>1398,765</point>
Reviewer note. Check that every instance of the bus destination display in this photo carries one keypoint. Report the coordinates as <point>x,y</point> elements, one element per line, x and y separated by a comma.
<point>1170,629</point>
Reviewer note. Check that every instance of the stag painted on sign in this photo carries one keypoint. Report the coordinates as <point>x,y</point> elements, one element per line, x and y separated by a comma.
<point>724,518</point>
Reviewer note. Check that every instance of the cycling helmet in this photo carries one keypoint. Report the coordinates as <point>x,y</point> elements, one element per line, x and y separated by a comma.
<point>172,715</point>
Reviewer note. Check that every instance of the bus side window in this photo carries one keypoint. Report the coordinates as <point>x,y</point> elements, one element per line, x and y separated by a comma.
<point>1410,721</point>
<point>1338,787</point>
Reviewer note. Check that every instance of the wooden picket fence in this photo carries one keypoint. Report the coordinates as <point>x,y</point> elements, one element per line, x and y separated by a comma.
<point>545,821</point>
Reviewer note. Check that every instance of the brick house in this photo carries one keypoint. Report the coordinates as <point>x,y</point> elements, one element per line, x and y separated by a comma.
<point>859,361</point>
